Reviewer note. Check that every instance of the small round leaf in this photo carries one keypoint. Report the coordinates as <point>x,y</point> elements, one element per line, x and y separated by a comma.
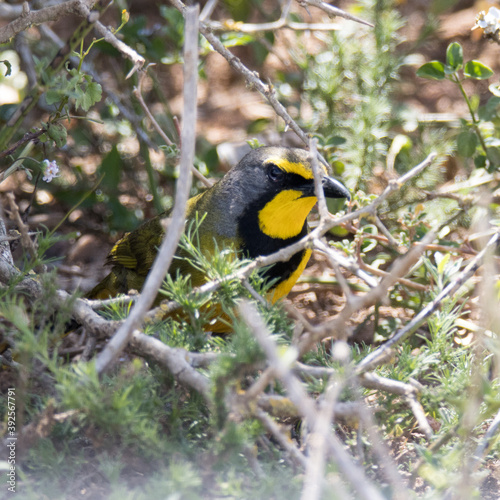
<point>433,70</point>
<point>477,70</point>
<point>454,56</point>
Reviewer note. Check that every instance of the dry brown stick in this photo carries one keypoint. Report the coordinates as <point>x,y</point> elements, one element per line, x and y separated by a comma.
<point>318,180</point>
<point>26,241</point>
<point>179,362</point>
<point>175,360</point>
<point>382,453</point>
<point>333,11</point>
<point>252,78</point>
<point>336,258</point>
<point>109,37</point>
<point>283,407</point>
<point>171,239</point>
<point>281,364</point>
<point>433,247</point>
<point>137,91</point>
<point>315,470</point>
<point>286,443</point>
<point>28,18</point>
<point>408,391</point>
<point>337,326</point>
<point>404,281</point>
<point>410,327</point>
<point>5,253</point>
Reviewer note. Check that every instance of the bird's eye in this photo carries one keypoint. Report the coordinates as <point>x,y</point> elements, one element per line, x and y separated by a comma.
<point>275,173</point>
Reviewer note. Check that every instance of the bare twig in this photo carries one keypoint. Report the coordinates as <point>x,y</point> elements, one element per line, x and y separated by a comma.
<point>28,18</point>
<point>410,327</point>
<point>333,11</point>
<point>271,26</point>
<point>137,91</point>
<point>171,239</point>
<point>137,60</point>
<point>281,364</point>
<point>337,326</point>
<point>315,469</point>
<point>283,440</point>
<point>26,241</point>
<point>252,78</point>
<point>176,360</point>
<point>336,258</point>
<point>5,253</point>
<point>318,184</point>
<point>485,442</point>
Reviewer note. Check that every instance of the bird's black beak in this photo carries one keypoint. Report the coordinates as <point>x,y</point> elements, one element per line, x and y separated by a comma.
<point>335,189</point>
<point>331,187</point>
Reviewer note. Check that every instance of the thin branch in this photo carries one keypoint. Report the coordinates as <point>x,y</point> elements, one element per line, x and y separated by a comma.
<point>240,27</point>
<point>412,325</point>
<point>337,326</point>
<point>28,18</point>
<point>109,37</point>
<point>315,470</point>
<point>253,80</point>
<point>5,253</point>
<point>336,258</point>
<point>281,364</point>
<point>137,91</point>
<point>175,360</point>
<point>283,440</point>
<point>333,11</point>
<point>171,239</point>
<point>27,243</point>
<point>318,183</point>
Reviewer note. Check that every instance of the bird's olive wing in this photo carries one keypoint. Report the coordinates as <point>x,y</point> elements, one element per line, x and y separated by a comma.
<point>137,250</point>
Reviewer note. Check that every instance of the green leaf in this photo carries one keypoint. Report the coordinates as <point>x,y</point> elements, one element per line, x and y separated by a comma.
<point>490,111</point>
<point>88,93</point>
<point>95,92</point>
<point>57,133</point>
<point>433,70</point>
<point>236,39</point>
<point>494,156</point>
<point>334,141</point>
<point>442,263</point>
<point>477,70</point>
<point>455,56</point>
<point>480,161</point>
<point>52,96</point>
<point>466,143</point>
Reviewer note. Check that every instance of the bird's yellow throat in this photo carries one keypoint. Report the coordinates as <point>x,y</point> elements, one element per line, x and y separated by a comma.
<point>284,216</point>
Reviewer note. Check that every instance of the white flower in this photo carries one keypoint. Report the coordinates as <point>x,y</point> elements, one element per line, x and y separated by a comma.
<point>50,170</point>
<point>490,22</point>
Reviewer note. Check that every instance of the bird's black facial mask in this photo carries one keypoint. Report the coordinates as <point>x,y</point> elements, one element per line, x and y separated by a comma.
<point>284,213</point>
<point>296,176</point>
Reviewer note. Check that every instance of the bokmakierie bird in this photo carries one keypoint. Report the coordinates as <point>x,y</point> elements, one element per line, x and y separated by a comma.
<point>259,207</point>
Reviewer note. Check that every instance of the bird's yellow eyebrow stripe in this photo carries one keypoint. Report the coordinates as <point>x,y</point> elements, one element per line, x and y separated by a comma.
<point>292,167</point>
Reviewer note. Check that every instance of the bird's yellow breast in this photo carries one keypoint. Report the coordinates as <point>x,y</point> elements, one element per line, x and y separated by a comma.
<point>283,288</point>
